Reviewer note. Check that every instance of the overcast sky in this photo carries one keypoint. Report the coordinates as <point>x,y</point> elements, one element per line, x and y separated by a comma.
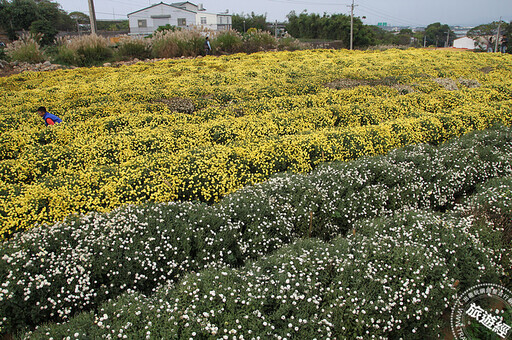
<point>393,12</point>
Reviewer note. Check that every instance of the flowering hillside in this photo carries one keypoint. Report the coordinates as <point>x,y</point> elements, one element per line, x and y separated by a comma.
<point>202,128</point>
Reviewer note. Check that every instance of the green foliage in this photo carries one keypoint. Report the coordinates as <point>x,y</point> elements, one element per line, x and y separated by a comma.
<point>258,40</point>
<point>129,48</point>
<point>93,55</point>
<point>44,27</point>
<point>79,18</point>
<point>331,27</point>
<point>487,29</point>
<point>37,16</point>
<point>169,44</point>
<point>288,43</point>
<point>26,49</point>
<point>168,27</point>
<point>112,25</point>
<point>65,56</point>
<point>242,23</point>
<point>227,42</point>
<point>392,278</point>
<point>19,15</point>
<point>437,34</point>
<point>402,196</point>
<point>90,50</point>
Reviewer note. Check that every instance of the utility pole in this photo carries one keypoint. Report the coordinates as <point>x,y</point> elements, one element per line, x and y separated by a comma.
<point>497,37</point>
<point>352,24</point>
<point>92,16</point>
<point>447,38</point>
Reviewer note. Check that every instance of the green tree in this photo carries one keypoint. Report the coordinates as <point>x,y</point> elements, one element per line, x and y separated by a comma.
<point>41,16</point>
<point>381,36</point>
<point>436,35</point>
<point>79,17</point>
<point>488,32</point>
<point>329,27</point>
<point>45,27</point>
<point>113,25</point>
<point>484,30</point>
<point>404,37</point>
<point>507,32</point>
<point>242,23</point>
<point>18,15</point>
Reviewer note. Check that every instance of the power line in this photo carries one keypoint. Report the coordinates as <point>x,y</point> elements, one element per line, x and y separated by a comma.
<point>298,2</point>
<point>386,15</point>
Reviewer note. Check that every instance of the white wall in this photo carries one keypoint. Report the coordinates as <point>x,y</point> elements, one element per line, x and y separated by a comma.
<point>211,20</point>
<point>159,15</point>
<point>224,22</point>
<point>464,42</point>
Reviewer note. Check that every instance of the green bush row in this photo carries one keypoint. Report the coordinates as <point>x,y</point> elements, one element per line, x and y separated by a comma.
<point>93,50</point>
<point>393,277</point>
<point>52,272</point>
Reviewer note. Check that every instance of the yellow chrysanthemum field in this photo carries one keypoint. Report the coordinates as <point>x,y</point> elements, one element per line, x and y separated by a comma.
<point>200,129</point>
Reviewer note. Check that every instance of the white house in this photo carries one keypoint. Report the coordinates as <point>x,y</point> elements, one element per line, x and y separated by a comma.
<point>181,14</point>
<point>465,42</point>
<point>147,20</point>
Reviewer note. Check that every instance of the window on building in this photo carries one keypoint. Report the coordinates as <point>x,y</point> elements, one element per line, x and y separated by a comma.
<point>220,20</point>
<point>182,22</point>
<point>203,20</point>
<point>143,23</point>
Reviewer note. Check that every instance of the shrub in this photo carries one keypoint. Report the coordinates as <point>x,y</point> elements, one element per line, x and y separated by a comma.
<point>392,278</point>
<point>258,40</point>
<point>129,48</point>
<point>168,27</point>
<point>170,44</point>
<point>227,42</point>
<point>46,29</point>
<point>66,56</point>
<point>288,43</point>
<point>26,49</point>
<point>62,54</point>
<point>90,49</point>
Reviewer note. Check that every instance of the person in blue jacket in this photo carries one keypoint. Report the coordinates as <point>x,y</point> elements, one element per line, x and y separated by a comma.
<point>49,119</point>
<point>207,47</point>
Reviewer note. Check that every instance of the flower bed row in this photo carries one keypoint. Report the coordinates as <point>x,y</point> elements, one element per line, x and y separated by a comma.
<point>51,273</point>
<point>200,129</point>
<point>393,277</point>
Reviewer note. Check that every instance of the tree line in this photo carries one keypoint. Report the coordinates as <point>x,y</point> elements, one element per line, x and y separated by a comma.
<point>310,26</point>
<point>46,17</point>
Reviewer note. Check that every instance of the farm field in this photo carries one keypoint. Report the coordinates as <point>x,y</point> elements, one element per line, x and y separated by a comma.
<point>200,129</point>
<point>379,246</point>
<point>300,194</point>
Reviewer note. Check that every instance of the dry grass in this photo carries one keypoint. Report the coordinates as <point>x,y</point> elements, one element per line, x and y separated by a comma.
<point>87,41</point>
<point>26,49</point>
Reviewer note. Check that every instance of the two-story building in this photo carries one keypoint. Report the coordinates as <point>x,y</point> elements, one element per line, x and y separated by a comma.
<point>185,15</point>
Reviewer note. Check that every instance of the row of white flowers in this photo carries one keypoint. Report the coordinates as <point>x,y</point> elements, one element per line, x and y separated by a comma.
<point>392,278</point>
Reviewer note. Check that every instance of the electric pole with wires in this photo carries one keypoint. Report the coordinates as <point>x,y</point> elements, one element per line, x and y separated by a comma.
<point>352,24</point>
<point>92,16</point>
<point>497,36</point>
